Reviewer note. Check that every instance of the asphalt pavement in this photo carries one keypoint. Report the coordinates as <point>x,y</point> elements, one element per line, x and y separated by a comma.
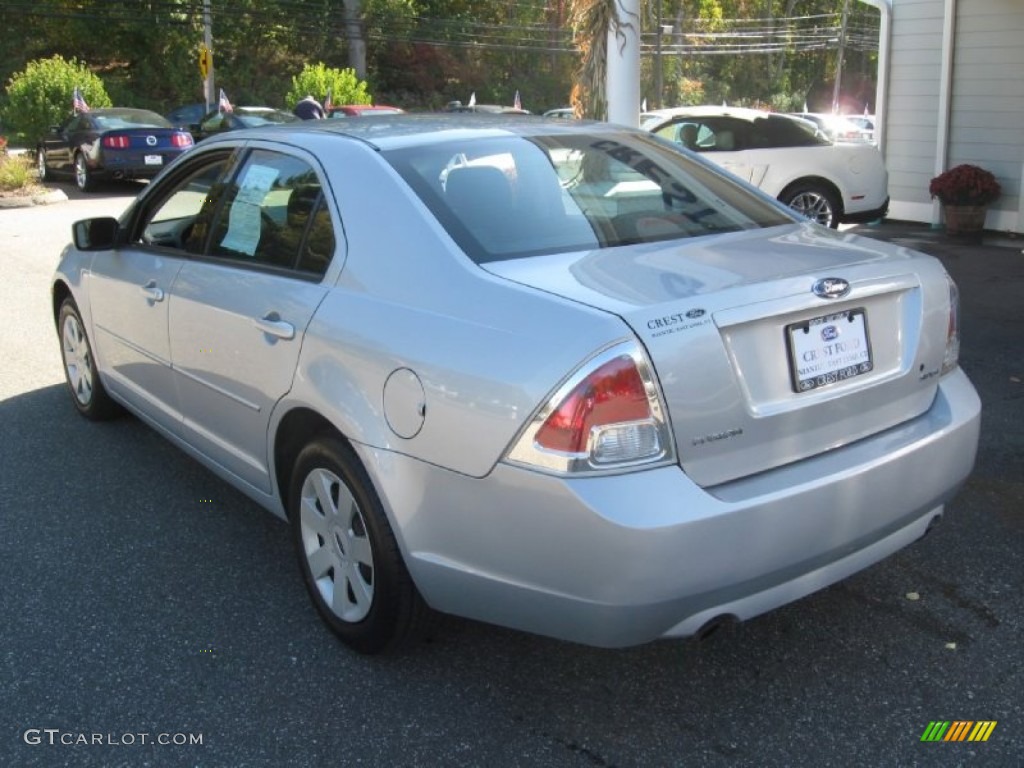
<point>144,601</point>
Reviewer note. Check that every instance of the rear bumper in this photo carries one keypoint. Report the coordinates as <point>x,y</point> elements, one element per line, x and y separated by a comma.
<point>622,560</point>
<point>131,166</point>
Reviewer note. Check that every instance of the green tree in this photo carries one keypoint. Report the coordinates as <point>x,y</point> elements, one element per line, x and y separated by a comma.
<point>41,95</point>
<point>318,79</point>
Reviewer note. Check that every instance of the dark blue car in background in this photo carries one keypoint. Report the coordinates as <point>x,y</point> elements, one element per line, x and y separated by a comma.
<point>113,143</point>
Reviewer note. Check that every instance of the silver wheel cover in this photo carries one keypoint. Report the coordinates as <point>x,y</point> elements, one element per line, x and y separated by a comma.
<point>336,545</point>
<point>81,172</point>
<point>77,359</point>
<point>41,165</point>
<point>814,206</point>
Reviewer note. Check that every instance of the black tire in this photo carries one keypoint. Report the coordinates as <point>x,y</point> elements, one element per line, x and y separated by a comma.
<point>41,169</point>
<point>80,373</point>
<point>348,556</point>
<point>817,202</point>
<point>84,178</point>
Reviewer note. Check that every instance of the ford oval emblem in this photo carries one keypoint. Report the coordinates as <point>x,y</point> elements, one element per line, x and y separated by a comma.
<point>831,288</point>
<point>693,314</point>
<point>829,333</point>
<point>151,140</point>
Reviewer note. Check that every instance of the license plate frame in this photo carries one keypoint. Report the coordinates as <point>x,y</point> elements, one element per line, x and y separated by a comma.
<point>828,349</point>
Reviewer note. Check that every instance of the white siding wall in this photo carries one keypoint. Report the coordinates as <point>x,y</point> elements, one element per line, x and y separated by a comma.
<point>986,123</point>
<point>912,109</point>
<point>987,115</point>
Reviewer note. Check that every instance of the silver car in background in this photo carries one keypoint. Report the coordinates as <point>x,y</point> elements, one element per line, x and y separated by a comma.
<point>558,376</point>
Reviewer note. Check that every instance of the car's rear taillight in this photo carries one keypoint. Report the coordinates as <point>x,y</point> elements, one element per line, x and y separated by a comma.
<point>952,355</point>
<point>116,142</point>
<point>181,139</point>
<point>608,415</point>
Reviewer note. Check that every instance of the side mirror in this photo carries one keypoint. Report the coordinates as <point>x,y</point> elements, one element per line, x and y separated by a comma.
<point>98,234</point>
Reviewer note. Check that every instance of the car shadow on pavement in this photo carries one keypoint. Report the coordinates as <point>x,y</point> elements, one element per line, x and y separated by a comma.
<point>103,189</point>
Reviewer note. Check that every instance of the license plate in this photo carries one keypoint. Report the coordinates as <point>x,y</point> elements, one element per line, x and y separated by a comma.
<point>154,160</point>
<point>828,349</point>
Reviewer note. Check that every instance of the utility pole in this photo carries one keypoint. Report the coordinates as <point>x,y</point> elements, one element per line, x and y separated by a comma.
<point>839,62</point>
<point>208,47</point>
<point>353,12</point>
<point>658,74</point>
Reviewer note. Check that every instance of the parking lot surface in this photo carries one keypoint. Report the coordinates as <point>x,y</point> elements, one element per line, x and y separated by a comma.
<point>152,616</point>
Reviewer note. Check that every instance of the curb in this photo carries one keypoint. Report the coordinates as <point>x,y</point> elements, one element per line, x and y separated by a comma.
<point>47,197</point>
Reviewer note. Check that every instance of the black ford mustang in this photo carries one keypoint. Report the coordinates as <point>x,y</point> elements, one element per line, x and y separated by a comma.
<point>114,143</point>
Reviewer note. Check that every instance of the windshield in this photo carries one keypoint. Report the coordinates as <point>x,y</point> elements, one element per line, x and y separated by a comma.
<point>265,117</point>
<point>511,197</point>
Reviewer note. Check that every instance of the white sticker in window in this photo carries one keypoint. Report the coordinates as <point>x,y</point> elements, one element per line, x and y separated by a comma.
<point>244,223</point>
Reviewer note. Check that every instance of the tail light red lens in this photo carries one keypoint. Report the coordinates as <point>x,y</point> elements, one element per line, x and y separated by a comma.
<point>116,142</point>
<point>181,139</point>
<point>614,393</point>
<point>607,416</point>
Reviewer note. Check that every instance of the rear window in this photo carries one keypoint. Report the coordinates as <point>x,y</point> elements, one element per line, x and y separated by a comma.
<point>130,118</point>
<point>512,197</point>
<point>779,131</point>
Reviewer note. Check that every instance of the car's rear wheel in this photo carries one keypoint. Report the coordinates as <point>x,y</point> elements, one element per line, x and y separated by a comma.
<point>815,201</point>
<point>347,552</point>
<point>41,164</point>
<point>83,176</point>
<point>87,392</point>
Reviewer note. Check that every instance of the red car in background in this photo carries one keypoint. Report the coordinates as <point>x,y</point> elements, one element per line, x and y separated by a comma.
<point>363,110</point>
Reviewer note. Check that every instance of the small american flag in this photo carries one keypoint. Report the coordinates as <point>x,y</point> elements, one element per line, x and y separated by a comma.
<point>517,103</point>
<point>78,102</point>
<point>223,104</point>
<point>327,102</point>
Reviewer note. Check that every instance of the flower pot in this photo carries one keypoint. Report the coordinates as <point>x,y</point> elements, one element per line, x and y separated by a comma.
<point>964,219</point>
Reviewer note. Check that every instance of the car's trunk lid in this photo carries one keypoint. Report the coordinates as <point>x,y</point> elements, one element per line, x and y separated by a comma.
<point>723,320</point>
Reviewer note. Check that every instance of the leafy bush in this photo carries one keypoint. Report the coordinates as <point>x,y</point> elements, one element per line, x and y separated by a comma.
<point>317,79</point>
<point>41,95</point>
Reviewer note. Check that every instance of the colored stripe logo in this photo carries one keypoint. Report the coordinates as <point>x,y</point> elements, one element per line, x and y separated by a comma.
<point>959,730</point>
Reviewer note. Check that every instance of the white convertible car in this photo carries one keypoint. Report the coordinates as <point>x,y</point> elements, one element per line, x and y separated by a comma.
<point>785,156</point>
<point>554,375</point>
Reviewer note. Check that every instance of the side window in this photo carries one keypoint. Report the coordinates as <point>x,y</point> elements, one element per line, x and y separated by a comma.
<point>180,219</point>
<point>691,134</point>
<point>724,134</point>
<point>213,124</point>
<point>274,215</point>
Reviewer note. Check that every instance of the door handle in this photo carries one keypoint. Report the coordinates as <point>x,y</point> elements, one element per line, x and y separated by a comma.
<point>151,292</point>
<point>272,325</point>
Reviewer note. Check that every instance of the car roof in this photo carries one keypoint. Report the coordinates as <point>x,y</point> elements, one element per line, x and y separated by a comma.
<point>101,111</point>
<point>404,130</point>
<point>741,113</point>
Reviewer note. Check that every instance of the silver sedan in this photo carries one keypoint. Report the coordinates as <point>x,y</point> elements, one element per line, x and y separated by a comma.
<point>558,376</point>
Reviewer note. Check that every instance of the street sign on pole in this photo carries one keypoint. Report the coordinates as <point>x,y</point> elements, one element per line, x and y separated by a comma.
<point>205,61</point>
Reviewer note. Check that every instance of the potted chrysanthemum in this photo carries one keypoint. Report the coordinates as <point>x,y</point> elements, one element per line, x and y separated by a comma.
<point>965,192</point>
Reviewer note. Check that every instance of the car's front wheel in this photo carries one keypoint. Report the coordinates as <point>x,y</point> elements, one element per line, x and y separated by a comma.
<point>815,201</point>
<point>87,392</point>
<point>347,552</point>
<point>83,176</point>
<point>41,164</point>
